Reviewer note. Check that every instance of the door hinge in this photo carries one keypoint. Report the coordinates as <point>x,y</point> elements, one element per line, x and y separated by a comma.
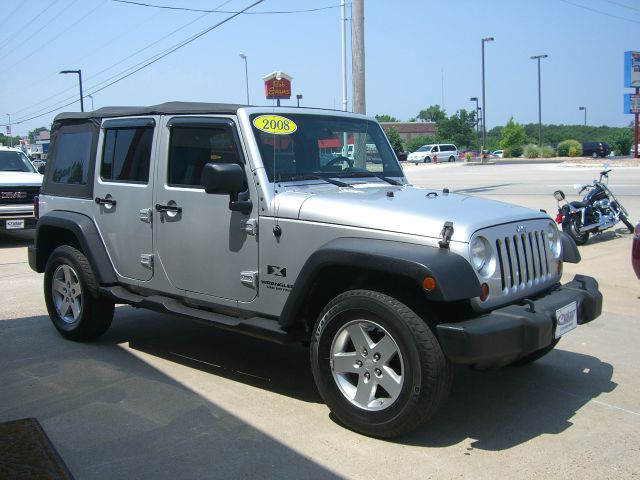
<point>250,226</point>
<point>249,278</point>
<point>146,215</point>
<point>146,260</point>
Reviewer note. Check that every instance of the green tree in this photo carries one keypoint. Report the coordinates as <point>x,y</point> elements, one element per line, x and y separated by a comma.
<point>621,141</point>
<point>417,141</point>
<point>386,118</point>
<point>512,135</point>
<point>33,134</point>
<point>459,128</point>
<point>432,114</point>
<point>394,139</point>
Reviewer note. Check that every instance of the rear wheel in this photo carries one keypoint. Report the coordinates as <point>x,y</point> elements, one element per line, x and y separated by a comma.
<point>594,154</point>
<point>71,295</point>
<point>377,365</point>
<point>571,226</point>
<point>452,158</point>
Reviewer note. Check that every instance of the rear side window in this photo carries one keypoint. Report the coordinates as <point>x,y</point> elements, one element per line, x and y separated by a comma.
<point>126,155</point>
<point>73,154</point>
<point>192,147</point>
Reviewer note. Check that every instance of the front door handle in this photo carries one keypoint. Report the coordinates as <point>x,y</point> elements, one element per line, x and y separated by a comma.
<point>168,208</point>
<point>105,201</point>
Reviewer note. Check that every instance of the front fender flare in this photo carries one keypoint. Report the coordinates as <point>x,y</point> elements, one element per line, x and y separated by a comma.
<point>455,278</point>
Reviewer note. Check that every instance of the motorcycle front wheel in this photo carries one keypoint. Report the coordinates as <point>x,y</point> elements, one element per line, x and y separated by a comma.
<point>572,227</point>
<point>626,221</point>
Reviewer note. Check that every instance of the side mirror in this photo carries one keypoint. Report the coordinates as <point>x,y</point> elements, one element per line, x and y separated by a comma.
<point>558,195</point>
<point>222,178</point>
<point>41,169</point>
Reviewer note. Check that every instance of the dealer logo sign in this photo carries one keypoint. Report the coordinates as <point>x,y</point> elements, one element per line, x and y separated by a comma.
<point>12,195</point>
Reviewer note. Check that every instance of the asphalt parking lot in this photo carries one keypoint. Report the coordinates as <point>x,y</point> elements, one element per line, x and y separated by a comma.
<point>158,397</point>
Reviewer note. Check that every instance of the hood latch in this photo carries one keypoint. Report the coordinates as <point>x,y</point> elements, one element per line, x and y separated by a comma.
<point>446,234</point>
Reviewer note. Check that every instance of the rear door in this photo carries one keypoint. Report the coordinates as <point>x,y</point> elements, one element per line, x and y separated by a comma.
<point>123,194</point>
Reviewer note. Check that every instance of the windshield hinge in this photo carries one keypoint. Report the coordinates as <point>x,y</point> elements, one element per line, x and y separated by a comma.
<point>446,234</point>
<point>250,226</point>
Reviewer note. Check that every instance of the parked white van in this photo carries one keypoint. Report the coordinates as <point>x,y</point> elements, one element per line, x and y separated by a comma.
<point>445,152</point>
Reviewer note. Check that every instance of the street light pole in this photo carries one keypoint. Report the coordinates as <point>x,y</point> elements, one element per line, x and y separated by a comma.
<point>484,107</point>
<point>10,132</point>
<point>475,99</point>
<point>298,98</point>
<point>538,57</point>
<point>585,114</point>
<point>246,74</point>
<point>79,72</point>
<point>92,107</point>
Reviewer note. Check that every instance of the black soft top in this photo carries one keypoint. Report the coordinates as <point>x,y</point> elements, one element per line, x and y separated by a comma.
<point>169,108</point>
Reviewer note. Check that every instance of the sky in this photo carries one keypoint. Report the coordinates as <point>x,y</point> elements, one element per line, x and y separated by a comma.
<point>417,54</point>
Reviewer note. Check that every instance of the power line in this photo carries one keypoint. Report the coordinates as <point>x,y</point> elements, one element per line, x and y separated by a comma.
<point>109,68</point>
<point>8,17</point>
<point>150,61</point>
<point>600,12</point>
<point>11,37</point>
<point>622,5</point>
<point>140,4</point>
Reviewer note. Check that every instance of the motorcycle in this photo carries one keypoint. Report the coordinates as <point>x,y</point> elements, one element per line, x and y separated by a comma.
<point>598,210</point>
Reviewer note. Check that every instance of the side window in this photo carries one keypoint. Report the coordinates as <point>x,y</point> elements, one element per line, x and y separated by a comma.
<point>192,147</point>
<point>126,154</point>
<point>73,153</point>
<point>434,149</point>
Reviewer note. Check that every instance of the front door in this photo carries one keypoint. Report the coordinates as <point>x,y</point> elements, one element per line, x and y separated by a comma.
<point>123,194</point>
<point>202,245</point>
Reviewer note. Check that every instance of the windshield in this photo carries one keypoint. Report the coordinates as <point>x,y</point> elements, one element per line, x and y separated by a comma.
<point>298,146</point>
<point>424,148</point>
<point>11,161</point>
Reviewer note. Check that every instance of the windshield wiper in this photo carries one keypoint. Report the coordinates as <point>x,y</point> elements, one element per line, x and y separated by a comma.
<point>315,177</point>
<point>369,174</point>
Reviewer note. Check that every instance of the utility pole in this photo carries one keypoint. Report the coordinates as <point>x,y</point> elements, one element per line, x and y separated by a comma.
<point>538,57</point>
<point>357,66</point>
<point>343,27</point>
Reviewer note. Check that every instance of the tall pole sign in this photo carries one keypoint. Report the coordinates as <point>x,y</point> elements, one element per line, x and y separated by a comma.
<point>632,80</point>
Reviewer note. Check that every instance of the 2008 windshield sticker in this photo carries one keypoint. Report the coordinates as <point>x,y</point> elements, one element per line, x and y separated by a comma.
<point>275,124</point>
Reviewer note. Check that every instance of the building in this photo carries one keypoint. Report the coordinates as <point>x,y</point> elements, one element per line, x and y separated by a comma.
<point>408,130</point>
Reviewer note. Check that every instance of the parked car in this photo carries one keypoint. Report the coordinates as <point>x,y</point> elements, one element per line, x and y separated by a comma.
<point>497,153</point>
<point>19,185</point>
<point>431,153</point>
<point>595,149</point>
<point>635,250</point>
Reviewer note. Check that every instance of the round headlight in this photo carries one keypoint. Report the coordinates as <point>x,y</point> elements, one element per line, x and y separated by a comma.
<point>553,240</point>
<point>480,253</point>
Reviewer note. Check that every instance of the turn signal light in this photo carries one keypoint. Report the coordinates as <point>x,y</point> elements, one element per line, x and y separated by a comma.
<point>485,292</point>
<point>429,283</point>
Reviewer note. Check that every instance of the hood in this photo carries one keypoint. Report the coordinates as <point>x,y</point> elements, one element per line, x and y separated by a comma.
<point>405,209</point>
<point>21,179</point>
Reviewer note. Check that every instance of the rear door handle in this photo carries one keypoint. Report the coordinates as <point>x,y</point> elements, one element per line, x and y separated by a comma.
<point>168,208</point>
<point>105,201</point>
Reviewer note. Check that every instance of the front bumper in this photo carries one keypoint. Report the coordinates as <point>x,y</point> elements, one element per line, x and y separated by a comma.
<point>511,332</point>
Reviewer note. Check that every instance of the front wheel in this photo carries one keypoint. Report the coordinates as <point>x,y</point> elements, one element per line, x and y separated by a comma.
<point>71,295</point>
<point>377,365</point>
<point>571,226</point>
<point>627,223</point>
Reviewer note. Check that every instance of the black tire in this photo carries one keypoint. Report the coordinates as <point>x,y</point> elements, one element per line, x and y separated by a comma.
<point>452,158</point>
<point>71,295</point>
<point>627,223</point>
<point>594,155</point>
<point>571,227</point>
<point>538,354</point>
<point>426,160</point>
<point>416,374</point>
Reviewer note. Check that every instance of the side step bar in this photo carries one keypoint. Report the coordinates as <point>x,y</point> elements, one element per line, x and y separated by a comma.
<point>264,328</point>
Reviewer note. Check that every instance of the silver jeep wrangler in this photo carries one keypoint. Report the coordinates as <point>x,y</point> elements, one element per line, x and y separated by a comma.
<point>298,225</point>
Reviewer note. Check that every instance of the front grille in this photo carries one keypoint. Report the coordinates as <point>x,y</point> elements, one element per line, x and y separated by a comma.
<point>17,195</point>
<point>523,260</point>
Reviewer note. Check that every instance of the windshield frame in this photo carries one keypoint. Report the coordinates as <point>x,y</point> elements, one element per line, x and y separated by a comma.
<point>374,151</point>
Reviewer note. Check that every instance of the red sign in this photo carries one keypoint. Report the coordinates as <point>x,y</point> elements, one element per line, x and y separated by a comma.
<point>274,88</point>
